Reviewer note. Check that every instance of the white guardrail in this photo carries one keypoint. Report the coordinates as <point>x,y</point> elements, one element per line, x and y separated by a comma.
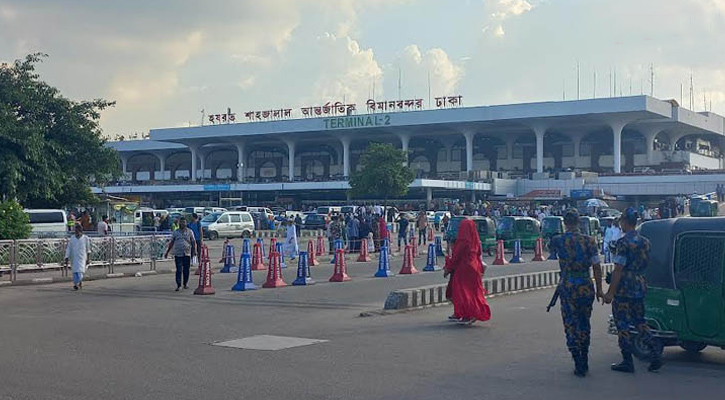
<point>33,255</point>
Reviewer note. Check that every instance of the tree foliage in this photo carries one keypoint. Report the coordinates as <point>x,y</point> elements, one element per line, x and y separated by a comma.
<point>51,149</point>
<point>383,173</point>
<point>14,223</point>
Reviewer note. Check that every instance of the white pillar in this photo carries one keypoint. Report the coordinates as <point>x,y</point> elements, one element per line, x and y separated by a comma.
<point>202,159</point>
<point>649,139</point>
<point>429,197</point>
<point>469,150</point>
<point>291,160</point>
<point>124,166</point>
<point>617,132</point>
<point>194,155</point>
<point>577,141</point>
<point>240,162</point>
<point>510,151</point>
<point>405,141</point>
<point>162,164</point>
<point>345,156</point>
<point>539,131</point>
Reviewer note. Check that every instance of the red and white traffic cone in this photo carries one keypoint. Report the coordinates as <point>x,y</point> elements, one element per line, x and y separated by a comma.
<point>408,267</point>
<point>320,251</point>
<point>274,274</point>
<point>272,248</point>
<point>205,276</point>
<point>430,235</point>
<point>340,273</point>
<point>311,259</point>
<point>499,260</point>
<point>414,246</point>
<point>364,255</point>
<point>257,258</point>
<point>539,250</point>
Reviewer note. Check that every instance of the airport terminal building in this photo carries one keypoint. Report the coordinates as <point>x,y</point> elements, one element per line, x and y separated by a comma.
<point>626,146</point>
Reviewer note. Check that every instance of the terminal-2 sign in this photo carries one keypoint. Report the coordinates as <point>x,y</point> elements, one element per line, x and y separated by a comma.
<point>357,121</point>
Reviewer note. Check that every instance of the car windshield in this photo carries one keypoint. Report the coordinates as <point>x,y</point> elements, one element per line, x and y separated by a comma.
<point>211,217</point>
<point>506,224</point>
<point>551,224</point>
<point>323,210</point>
<point>347,210</point>
<point>314,218</point>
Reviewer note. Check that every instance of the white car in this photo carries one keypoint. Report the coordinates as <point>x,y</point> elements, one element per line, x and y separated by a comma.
<point>227,224</point>
<point>47,221</point>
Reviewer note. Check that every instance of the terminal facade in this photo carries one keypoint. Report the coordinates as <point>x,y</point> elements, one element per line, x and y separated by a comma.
<point>462,152</point>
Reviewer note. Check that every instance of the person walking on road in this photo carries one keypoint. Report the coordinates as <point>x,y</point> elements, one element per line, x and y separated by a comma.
<point>577,253</point>
<point>627,292</point>
<point>195,227</point>
<point>611,235</point>
<point>183,243</point>
<point>102,226</point>
<point>78,254</point>
<point>422,225</point>
<point>353,234</point>
<point>466,269</point>
<point>291,247</point>
<point>402,230</point>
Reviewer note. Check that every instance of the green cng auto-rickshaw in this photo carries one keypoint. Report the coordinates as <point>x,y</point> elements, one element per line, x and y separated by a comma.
<point>485,227</point>
<point>685,301</point>
<point>704,208</point>
<point>590,226</point>
<point>525,229</point>
<point>551,226</point>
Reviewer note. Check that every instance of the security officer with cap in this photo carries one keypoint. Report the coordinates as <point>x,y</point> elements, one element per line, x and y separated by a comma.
<point>627,291</point>
<point>577,253</point>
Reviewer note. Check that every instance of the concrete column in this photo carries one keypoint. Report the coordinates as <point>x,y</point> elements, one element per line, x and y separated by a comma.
<point>429,197</point>
<point>577,142</point>
<point>469,150</point>
<point>510,151</point>
<point>405,141</point>
<point>291,160</point>
<point>539,131</point>
<point>124,166</point>
<point>202,164</point>
<point>240,162</point>
<point>194,155</point>
<point>345,156</point>
<point>162,164</point>
<point>617,128</point>
<point>649,138</point>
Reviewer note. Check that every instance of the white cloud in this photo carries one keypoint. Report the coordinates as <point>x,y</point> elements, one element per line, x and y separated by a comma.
<point>415,66</point>
<point>498,11</point>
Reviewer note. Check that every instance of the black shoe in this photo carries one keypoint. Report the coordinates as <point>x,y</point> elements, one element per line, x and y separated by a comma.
<point>186,286</point>
<point>178,288</point>
<point>624,366</point>
<point>580,368</point>
<point>585,360</point>
<point>75,287</point>
<point>655,365</point>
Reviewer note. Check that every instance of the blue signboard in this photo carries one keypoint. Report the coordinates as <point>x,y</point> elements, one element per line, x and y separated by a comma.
<point>217,188</point>
<point>581,194</point>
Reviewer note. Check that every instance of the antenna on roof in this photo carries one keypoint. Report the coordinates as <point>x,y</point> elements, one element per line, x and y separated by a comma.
<point>652,79</point>
<point>563,89</point>
<point>692,95</point>
<point>429,89</point>
<point>374,76</point>
<point>202,117</point>
<point>595,83</point>
<point>400,79</point>
<point>630,85</point>
<point>615,81</point>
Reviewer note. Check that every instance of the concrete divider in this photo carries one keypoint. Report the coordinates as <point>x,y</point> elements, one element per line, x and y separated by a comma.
<point>423,296</point>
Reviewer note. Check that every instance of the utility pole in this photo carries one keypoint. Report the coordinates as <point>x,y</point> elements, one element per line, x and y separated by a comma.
<point>595,83</point>
<point>652,79</point>
<point>400,78</point>
<point>202,117</point>
<point>577,80</point>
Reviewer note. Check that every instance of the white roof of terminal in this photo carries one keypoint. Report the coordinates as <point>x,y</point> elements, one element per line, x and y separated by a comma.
<point>637,111</point>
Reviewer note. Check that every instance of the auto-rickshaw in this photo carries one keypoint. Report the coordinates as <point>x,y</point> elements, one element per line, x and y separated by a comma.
<point>685,301</point>
<point>525,229</point>
<point>590,226</point>
<point>551,226</point>
<point>704,208</point>
<point>486,231</point>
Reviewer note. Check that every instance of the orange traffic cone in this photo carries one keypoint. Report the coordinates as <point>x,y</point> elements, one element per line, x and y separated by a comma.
<point>364,255</point>
<point>274,274</point>
<point>320,251</point>
<point>408,267</point>
<point>340,273</point>
<point>205,276</point>
<point>312,260</point>
<point>539,250</point>
<point>430,235</point>
<point>499,260</point>
<point>257,258</point>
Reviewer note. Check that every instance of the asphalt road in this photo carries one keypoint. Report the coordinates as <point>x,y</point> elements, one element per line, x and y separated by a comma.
<point>138,339</point>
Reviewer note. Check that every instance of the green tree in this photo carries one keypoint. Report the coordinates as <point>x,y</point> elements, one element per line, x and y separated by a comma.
<point>383,173</point>
<point>14,223</point>
<point>51,149</point>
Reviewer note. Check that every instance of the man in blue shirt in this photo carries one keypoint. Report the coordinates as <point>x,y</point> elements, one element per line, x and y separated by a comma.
<point>195,227</point>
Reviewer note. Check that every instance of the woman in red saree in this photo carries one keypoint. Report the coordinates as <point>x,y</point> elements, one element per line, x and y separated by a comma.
<point>466,270</point>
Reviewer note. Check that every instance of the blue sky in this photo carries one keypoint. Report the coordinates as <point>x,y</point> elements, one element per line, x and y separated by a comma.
<point>165,60</point>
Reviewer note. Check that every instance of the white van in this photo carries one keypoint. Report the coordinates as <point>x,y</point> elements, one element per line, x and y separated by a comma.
<point>228,224</point>
<point>47,222</point>
<point>329,210</point>
<point>262,210</point>
<point>144,219</point>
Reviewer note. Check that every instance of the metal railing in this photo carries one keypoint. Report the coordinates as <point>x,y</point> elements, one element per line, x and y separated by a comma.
<point>35,255</point>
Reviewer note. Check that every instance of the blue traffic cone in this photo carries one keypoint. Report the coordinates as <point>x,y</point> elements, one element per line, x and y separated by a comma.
<point>246,247</point>
<point>439,247</point>
<point>338,245</point>
<point>303,271</point>
<point>384,264</point>
<point>228,259</point>
<point>517,259</point>
<point>261,244</point>
<point>244,274</point>
<point>280,250</point>
<point>431,265</point>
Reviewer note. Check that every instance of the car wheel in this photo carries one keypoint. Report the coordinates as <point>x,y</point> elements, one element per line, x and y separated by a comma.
<point>693,347</point>
<point>213,235</point>
<point>246,234</point>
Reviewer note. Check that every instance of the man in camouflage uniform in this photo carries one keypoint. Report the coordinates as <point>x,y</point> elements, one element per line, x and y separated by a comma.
<point>577,253</point>
<point>626,293</point>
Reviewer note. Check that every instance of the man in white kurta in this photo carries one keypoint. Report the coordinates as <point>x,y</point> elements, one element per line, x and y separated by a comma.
<point>290,244</point>
<point>78,253</point>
